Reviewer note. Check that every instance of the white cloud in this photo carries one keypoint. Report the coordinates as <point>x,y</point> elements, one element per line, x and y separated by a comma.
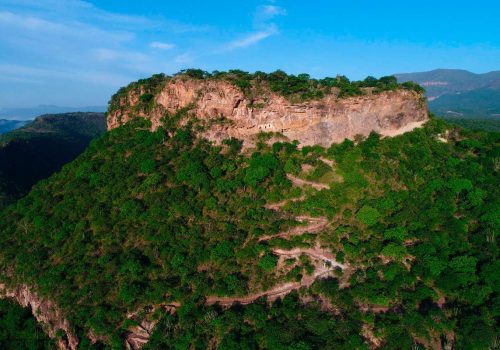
<point>249,40</point>
<point>71,45</point>
<point>161,46</point>
<point>263,25</point>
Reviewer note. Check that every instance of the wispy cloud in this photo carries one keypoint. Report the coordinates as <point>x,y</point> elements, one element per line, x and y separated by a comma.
<point>267,12</point>
<point>263,25</point>
<point>249,40</point>
<point>161,46</point>
<point>72,44</point>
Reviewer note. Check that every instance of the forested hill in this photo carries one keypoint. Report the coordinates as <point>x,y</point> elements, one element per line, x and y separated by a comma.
<point>460,94</point>
<point>38,149</point>
<point>441,82</point>
<point>161,240</point>
<point>8,125</point>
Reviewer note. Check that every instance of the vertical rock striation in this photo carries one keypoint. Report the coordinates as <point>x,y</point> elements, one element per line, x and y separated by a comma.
<point>324,121</point>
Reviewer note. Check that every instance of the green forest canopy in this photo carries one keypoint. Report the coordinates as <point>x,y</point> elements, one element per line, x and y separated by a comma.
<point>143,218</point>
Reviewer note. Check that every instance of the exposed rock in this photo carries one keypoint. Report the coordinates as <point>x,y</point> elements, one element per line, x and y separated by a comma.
<point>324,121</point>
<point>45,312</point>
<point>139,334</point>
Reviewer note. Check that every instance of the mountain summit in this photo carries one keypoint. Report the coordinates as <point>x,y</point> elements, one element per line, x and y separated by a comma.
<point>242,105</point>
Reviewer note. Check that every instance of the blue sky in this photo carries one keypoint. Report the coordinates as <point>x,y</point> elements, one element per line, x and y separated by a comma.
<point>78,53</point>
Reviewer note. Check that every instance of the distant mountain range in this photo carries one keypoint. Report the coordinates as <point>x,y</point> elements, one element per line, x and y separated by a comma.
<point>456,93</point>
<point>41,147</point>
<point>32,112</point>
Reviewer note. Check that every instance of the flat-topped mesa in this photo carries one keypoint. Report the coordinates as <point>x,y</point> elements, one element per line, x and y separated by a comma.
<point>322,121</point>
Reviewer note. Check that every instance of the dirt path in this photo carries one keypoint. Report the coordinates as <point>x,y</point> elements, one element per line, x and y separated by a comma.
<point>271,294</point>
<point>328,162</point>
<point>301,182</point>
<point>315,225</point>
<point>277,206</point>
<point>323,261</point>
<point>324,264</point>
<point>316,252</point>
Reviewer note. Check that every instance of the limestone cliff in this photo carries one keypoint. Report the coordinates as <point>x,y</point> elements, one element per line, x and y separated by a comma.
<point>323,121</point>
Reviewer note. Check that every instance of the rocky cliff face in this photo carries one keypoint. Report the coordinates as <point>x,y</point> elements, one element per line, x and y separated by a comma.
<point>324,121</point>
<point>45,312</point>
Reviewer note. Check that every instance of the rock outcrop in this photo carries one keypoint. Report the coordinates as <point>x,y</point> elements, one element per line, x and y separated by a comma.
<point>45,312</point>
<point>323,121</point>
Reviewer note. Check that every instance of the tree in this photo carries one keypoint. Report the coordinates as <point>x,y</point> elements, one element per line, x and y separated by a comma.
<point>368,215</point>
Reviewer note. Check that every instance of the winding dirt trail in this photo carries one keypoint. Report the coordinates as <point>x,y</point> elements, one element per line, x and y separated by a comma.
<point>322,259</point>
<point>325,264</point>
<point>317,253</point>
<point>301,182</point>
<point>315,225</point>
<point>271,294</point>
<point>277,206</point>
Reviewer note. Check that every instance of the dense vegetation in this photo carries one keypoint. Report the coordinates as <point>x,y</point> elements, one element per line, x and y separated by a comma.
<point>460,94</point>
<point>20,330</point>
<point>295,87</point>
<point>144,218</point>
<point>490,124</point>
<point>41,148</point>
<point>479,103</point>
<point>8,125</point>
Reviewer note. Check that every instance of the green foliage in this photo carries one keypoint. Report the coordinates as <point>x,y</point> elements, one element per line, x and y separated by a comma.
<point>20,330</point>
<point>286,324</point>
<point>487,124</point>
<point>145,218</point>
<point>260,167</point>
<point>368,215</point>
<point>397,234</point>
<point>268,262</point>
<point>40,148</point>
<point>394,251</point>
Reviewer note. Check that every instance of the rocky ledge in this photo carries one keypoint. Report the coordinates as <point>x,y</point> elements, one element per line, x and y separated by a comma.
<point>229,112</point>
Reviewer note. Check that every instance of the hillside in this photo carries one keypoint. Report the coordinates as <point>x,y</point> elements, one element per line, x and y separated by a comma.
<point>19,329</point>
<point>156,238</point>
<point>460,94</point>
<point>32,112</point>
<point>40,148</point>
<point>476,124</point>
<point>482,102</point>
<point>8,125</point>
<point>449,81</point>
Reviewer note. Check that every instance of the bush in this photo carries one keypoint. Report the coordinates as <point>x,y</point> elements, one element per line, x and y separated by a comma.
<point>368,215</point>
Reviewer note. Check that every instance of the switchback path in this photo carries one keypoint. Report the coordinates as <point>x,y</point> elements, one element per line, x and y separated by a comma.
<point>315,225</point>
<point>301,182</point>
<point>322,259</point>
<point>324,265</point>
<point>277,206</point>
